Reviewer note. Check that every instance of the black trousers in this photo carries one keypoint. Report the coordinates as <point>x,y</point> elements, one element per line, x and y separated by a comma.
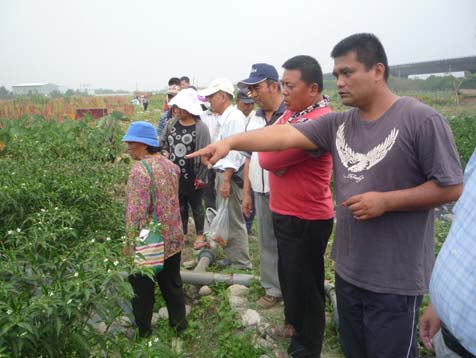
<point>188,196</point>
<point>376,325</point>
<point>209,193</point>
<point>301,247</point>
<point>170,284</point>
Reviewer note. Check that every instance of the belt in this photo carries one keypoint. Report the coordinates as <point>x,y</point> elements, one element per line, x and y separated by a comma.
<point>453,343</point>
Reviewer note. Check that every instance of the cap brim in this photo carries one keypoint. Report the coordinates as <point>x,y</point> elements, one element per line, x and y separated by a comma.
<point>193,108</point>
<point>208,91</point>
<point>246,100</point>
<point>148,141</point>
<point>251,81</point>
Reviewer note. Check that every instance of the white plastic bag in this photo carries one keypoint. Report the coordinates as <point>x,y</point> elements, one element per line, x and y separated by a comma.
<point>210,214</point>
<point>219,226</point>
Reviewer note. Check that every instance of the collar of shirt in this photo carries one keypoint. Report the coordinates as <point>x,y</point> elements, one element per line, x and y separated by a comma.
<point>323,103</point>
<point>251,115</point>
<point>232,121</point>
<point>276,114</point>
<point>221,119</point>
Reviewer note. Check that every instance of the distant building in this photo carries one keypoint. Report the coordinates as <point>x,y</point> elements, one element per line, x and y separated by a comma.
<point>115,94</point>
<point>26,88</point>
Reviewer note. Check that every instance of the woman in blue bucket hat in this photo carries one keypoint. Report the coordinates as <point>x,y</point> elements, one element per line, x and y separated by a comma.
<point>143,145</point>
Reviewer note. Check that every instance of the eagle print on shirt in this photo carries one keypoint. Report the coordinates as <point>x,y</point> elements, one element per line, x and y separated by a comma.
<point>356,162</point>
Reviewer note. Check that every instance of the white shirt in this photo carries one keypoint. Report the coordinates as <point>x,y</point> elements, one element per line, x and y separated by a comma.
<point>210,119</point>
<point>232,121</point>
<point>257,175</point>
<point>249,116</point>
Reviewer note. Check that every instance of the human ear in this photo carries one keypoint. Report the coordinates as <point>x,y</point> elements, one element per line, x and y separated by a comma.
<point>314,88</point>
<point>379,70</point>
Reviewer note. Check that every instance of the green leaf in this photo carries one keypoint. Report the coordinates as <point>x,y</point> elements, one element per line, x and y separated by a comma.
<point>26,326</point>
<point>47,345</point>
<point>6,328</point>
<point>82,343</point>
<point>59,325</point>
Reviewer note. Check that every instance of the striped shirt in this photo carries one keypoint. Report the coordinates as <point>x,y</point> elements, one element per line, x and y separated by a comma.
<point>453,281</point>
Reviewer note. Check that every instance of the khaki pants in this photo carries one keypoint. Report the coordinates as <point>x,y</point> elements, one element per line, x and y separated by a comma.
<point>237,249</point>
<point>268,246</point>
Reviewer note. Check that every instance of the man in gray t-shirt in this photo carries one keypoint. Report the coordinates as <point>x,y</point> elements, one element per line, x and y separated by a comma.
<point>393,252</point>
<point>394,160</point>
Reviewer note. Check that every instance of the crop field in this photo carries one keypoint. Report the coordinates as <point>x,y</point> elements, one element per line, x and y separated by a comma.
<point>59,108</point>
<point>63,291</point>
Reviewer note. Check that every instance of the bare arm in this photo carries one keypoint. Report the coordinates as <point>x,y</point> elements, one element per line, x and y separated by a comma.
<point>422,197</point>
<point>224,189</point>
<point>261,140</point>
<point>246,203</point>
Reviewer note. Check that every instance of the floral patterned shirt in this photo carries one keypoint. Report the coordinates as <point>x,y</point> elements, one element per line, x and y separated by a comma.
<point>139,211</point>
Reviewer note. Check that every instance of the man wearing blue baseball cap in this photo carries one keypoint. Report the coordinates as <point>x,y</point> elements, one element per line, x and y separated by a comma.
<point>265,90</point>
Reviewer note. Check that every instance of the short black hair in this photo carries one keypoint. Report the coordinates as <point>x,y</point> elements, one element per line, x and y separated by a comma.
<point>185,78</point>
<point>368,49</point>
<point>174,81</point>
<point>310,69</point>
<point>152,150</point>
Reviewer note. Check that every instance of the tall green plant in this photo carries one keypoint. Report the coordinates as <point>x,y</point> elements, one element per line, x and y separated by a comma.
<point>61,227</point>
<point>464,131</point>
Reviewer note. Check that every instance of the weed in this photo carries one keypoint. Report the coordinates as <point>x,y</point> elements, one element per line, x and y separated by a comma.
<point>61,226</point>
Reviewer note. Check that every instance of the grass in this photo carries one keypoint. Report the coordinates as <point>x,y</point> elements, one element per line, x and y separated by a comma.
<point>208,311</point>
<point>214,328</point>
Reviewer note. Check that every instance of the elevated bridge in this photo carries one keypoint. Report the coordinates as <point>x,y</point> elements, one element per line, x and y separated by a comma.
<point>439,66</point>
<point>422,68</point>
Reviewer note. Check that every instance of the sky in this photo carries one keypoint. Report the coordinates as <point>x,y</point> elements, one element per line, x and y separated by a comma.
<point>139,45</point>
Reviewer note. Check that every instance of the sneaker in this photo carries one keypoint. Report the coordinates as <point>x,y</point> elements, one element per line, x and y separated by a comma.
<point>268,301</point>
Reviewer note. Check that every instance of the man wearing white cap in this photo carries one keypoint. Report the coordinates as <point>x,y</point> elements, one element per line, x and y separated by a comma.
<point>231,121</point>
